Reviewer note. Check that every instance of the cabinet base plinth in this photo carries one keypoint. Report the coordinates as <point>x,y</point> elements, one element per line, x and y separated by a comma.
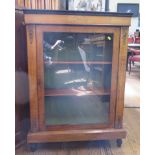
<point>75,135</point>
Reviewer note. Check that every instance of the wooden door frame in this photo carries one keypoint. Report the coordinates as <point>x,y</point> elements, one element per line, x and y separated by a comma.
<point>40,29</point>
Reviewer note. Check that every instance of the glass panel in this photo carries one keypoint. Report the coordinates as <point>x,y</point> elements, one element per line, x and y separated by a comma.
<point>77,47</point>
<point>60,76</point>
<point>77,77</point>
<point>77,110</point>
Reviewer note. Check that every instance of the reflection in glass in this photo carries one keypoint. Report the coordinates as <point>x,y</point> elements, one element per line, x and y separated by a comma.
<point>77,77</point>
<point>78,47</point>
<point>77,110</point>
<point>60,76</point>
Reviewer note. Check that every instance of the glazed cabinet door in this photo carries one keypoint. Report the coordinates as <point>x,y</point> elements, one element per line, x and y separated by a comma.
<point>77,76</point>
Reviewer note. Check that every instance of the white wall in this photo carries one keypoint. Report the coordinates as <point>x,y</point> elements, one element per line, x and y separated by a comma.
<point>134,20</point>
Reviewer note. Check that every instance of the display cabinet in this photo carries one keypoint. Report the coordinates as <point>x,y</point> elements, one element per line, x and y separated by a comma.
<point>76,63</point>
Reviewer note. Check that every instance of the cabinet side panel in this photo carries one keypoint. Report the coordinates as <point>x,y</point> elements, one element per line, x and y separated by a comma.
<point>21,81</point>
<point>114,75</point>
<point>121,77</point>
<point>32,68</point>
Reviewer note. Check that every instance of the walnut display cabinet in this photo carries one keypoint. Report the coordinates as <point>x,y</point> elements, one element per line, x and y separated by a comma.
<point>76,66</point>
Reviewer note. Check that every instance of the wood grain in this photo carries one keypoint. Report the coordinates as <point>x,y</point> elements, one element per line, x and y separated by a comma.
<point>114,75</point>
<point>32,68</point>
<point>77,127</point>
<point>75,135</point>
<point>121,77</point>
<point>131,145</point>
<point>76,29</point>
<point>75,92</point>
<point>118,26</point>
<point>40,80</point>
<point>21,80</point>
<point>76,20</point>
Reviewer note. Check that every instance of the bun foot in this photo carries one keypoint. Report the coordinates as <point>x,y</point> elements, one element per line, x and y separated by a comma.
<point>119,142</point>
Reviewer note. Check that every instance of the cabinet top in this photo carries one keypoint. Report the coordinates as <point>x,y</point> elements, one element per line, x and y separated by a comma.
<point>82,13</point>
<point>76,18</point>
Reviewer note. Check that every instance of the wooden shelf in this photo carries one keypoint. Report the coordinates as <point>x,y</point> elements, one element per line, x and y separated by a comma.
<point>80,62</point>
<point>75,92</point>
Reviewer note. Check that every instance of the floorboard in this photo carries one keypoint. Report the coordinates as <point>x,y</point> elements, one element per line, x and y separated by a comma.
<point>132,87</point>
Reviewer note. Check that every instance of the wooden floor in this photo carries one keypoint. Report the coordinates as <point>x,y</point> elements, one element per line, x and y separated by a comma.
<point>132,87</point>
<point>130,145</point>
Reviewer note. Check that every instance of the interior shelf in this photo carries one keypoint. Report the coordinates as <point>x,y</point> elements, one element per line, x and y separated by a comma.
<point>76,92</point>
<point>80,62</point>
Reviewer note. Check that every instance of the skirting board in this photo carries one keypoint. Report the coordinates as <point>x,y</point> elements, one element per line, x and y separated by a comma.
<point>75,135</point>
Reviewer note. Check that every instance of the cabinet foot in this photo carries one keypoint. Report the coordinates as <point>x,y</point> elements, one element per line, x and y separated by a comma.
<point>119,142</point>
<point>32,147</point>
